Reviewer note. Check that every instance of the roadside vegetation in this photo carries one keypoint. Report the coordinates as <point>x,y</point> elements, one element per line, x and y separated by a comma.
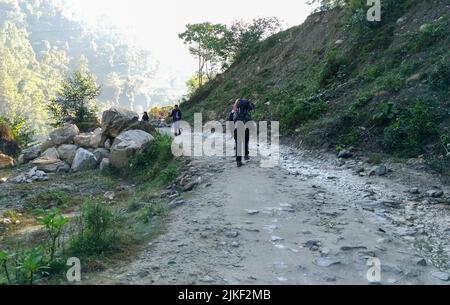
<point>381,87</point>
<point>58,222</point>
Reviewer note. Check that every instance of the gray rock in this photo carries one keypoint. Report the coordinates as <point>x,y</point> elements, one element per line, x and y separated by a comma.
<point>345,154</point>
<point>190,186</point>
<point>64,135</point>
<point>231,234</point>
<point>51,153</point>
<point>419,261</point>
<point>443,276</point>
<point>380,170</point>
<point>435,193</point>
<point>325,262</point>
<point>126,145</point>
<point>115,120</point>
<point>67,152</point>
<point>414,191</point>
<point>31,153</point>
<point>49,165</point>
<point>252,212</point>
<point>351,248</point>
<point>84,160</point>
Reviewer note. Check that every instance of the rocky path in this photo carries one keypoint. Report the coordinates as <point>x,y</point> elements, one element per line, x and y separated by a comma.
<point>312,220</point>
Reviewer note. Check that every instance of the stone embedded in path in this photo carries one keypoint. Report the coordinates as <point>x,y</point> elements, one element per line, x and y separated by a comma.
<point>232,234</point>
<point>325,262</point>
<point>252,212</point>
<point>419,261</point>
<point>380,170</point>
<point>351,248</point>
<point>435,193</point>
<point>345,154</point>
<point>414,191</point>
<point>443,276</point>
<point>190,186</point>
<point>277,238</point>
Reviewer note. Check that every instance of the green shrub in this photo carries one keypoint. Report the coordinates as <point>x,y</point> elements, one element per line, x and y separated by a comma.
<point>407,133</point>
<point>428,35</point>
<point>387,111</point>
<point>335,68</point>
<point>439,76</point>
<point>54,223</point>
<point>49,198</point>
<point>152,160</point>
<point>304,111</point>
<point>100,231</point>
<point>152,210</point>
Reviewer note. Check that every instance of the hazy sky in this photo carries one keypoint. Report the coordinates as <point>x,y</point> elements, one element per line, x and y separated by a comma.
<point>156,24</point>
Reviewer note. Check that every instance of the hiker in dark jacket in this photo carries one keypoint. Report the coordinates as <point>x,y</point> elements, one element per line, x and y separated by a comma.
<point>145,117</point>
<point>176,117</point>
<point>242,113</point>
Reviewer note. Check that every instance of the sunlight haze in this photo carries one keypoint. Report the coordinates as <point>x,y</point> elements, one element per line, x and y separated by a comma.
<point>156,24</point>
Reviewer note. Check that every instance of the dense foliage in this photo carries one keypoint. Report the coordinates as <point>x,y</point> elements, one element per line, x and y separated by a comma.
<point>40,42</point>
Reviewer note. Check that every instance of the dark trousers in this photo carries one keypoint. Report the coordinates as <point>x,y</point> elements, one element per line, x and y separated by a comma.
<point>245,144</point>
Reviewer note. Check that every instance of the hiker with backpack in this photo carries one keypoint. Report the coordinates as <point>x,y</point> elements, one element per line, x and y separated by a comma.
<point>242,113</point>
<point>145,117</point>
<point>176,117</point>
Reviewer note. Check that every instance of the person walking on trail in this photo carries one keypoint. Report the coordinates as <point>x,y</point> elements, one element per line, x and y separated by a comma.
<point>242,113</point>
<point>176,117</point>
<point>145,117</point>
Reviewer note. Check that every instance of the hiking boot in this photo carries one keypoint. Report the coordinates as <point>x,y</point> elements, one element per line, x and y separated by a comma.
<point>239,164</point>
<point>247,158</point>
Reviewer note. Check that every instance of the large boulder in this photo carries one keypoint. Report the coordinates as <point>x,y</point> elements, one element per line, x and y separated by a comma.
<point>126,145</point>
<point>48,143</point>
<point>50,165</point>
<point>67,152</point>
<point>65,134</point>
<point>144,126</point>
<point>84,160</point>
<point>31,153</point>
<point>89,140</point>
<point>96,139</point>
<point>6,161</point>
<point>51,153</point>
<point>115,120</point>
<point>83,140</point>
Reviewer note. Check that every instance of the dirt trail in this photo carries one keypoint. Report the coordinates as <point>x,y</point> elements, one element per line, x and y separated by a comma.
<point>312,220</point>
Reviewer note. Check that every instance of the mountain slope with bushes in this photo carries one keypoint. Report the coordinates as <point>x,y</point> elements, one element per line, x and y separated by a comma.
<point>339,81</point>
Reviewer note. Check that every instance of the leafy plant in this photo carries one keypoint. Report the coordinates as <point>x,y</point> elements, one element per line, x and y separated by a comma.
<point>151,210</point>
<point>54,223</point>
<point>4,256</point>
<point>31,263</point>
<point>387,111</point>
<point>406,134</point>
<point>99,230</point>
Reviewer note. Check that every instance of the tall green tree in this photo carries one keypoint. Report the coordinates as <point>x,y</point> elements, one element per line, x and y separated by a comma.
<point>75,100</point>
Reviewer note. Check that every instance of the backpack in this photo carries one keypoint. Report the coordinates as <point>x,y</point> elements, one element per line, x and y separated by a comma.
<point>243,114</point>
